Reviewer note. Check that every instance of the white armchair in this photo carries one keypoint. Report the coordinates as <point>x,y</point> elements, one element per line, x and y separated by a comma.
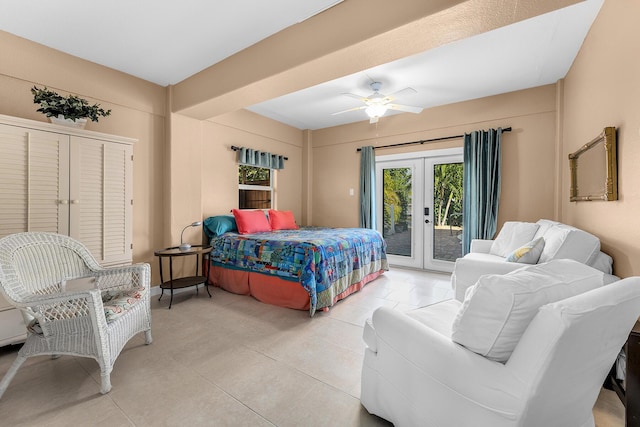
<point>71,304</point>
<point>415,375</point>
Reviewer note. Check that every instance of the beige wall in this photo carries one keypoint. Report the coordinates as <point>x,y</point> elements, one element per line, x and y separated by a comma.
<point>220,168</point>
<point>182,179</point>
<point>602,89</point>
<point>138,112</point>
<point>528,152</point>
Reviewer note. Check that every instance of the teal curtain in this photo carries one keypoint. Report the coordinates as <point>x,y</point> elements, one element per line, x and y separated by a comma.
<point>263,159</point>
<point>481,182</point>
<point>367,188</point>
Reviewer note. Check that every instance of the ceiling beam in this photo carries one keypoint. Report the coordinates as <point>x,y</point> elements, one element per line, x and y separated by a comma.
<point>350,37</point>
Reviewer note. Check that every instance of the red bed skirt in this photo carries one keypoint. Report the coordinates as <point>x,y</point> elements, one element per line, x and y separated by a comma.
<point>270,289</point>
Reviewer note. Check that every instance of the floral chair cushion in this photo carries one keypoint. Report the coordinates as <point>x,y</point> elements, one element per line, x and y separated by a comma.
<point>116,303</point>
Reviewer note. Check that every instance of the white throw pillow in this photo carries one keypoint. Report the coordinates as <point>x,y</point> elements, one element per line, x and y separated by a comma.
<point>529,253</point>
<point>564,241</point>
<point>513,235</point>
<point>498,308</point>
<point>544,225</point>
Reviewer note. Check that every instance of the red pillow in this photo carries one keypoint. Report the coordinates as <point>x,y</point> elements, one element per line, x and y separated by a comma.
<point>282,220</point>
<point>251,221</point>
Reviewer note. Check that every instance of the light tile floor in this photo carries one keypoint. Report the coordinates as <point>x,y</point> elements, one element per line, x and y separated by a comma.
<point>230,361</point>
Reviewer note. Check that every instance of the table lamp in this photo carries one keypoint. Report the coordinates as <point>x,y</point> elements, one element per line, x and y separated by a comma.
<point>186,246</point>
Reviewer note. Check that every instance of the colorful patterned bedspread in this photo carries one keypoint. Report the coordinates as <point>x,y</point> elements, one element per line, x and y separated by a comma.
<point>325,261</point>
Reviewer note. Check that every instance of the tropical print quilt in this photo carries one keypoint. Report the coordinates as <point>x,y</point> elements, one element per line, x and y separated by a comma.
<point>325,261</point>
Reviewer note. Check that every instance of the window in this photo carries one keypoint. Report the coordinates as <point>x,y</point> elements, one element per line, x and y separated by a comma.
<point>255,187</point>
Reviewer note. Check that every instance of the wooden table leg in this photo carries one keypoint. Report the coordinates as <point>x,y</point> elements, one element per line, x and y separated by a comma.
<point>632,383</point>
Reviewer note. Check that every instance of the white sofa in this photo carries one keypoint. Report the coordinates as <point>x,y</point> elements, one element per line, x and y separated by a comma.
<point>560,241</point>
<point>418,369</point>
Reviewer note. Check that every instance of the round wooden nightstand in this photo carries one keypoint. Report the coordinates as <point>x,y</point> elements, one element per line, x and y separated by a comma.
<point>183,282</point>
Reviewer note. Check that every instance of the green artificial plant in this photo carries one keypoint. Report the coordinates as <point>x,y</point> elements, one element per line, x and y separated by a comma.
<point>71,107</point>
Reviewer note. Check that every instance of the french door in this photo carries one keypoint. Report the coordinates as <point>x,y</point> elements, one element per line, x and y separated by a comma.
<point>420,208</point>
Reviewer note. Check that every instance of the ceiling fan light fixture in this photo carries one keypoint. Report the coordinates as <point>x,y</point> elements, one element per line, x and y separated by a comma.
<point>377,104</point>
<point>376,110</point>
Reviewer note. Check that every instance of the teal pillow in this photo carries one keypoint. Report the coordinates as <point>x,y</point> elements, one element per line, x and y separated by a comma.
<point>215,226</point>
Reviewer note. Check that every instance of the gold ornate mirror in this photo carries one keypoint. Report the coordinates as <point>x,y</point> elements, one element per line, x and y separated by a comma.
<point>594,174</point>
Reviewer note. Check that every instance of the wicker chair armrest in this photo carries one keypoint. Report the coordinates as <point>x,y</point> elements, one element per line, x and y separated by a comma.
<point>64,305</point>
<point>124,277</point>
<point>57,298</point>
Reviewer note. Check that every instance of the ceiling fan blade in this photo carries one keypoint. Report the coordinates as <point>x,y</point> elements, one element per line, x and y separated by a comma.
<point>406,90</point>
<point>353,95</point>
<point>405,108</point>
<point>392,96</point>
<point>350,109</point>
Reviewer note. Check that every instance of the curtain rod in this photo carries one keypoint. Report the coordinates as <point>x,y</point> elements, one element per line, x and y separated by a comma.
<point>234,148</point>
<point>422,141</point>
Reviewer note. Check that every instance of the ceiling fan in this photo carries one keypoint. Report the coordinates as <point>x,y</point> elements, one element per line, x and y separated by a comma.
<point>377,103</point>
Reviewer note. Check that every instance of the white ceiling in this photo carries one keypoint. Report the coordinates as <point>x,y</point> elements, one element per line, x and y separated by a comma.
<point>527,54</point>
<point>160,42</point>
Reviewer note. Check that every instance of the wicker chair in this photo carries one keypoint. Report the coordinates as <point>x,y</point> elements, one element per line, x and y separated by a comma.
<point>60,289</point>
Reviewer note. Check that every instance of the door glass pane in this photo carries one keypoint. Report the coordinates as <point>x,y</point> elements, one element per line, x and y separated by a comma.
<point>447,207</point>
<point>397,210</point>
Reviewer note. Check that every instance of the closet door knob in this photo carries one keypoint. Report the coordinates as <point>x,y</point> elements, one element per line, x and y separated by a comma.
<point>75,202</point>
<point>63,202</point>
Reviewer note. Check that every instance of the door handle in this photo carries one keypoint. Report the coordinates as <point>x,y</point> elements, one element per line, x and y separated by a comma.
<point>426,221</point>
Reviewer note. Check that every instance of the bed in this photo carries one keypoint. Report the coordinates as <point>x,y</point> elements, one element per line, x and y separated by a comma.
<point>309,268</point>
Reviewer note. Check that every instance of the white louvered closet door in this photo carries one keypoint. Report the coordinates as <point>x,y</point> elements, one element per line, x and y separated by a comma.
<point>101,198</point>
<point>35,181</point>
<point>67,181</point>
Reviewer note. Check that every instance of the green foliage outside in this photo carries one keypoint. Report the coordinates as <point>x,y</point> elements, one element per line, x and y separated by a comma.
<point>252,175</point>
<point>397,194</point>
<point>447,187</point>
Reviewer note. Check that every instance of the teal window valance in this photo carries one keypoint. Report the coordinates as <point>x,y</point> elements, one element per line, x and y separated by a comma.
<point>262,159</point>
